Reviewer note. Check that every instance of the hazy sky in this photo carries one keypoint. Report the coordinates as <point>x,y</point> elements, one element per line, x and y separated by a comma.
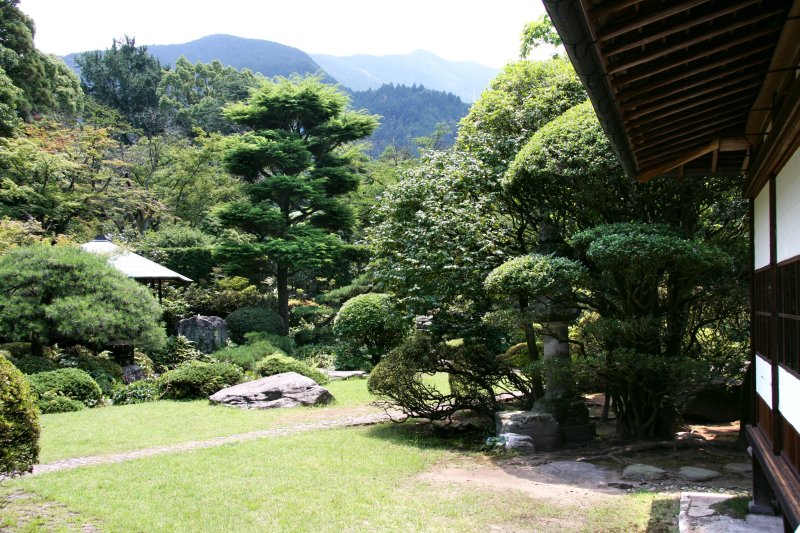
<point>483,31</point>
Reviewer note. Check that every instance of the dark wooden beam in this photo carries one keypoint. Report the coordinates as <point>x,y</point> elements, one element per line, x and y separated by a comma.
<point>715,163</point>
<point>704,37</point>
<point>648,38</point>
<point>608,8</point>
<point>678,107</point>
<point>713,129</point>
<point>657,156</point>
<point>705,85</point>
<point>738,105</point>
<point>643,19</point>
<point>657,133</point>
<point>646,174</point>
<point>651,88</point>
<point>731,97</point>
<point>669,65</point>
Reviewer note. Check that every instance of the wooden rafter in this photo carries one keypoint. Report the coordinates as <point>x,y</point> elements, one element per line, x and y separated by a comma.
<point>642,20</point>
<point>715,127</point>
<point>702,38</point>
<point>657,157</point>
<point>659,131</point>
<point>651,88</point>
<point>703,86</point>
<point>669,65</point>
<point>647,128</point>
<point>667,111</point>
<point>633,123</point>
<point>648,38</point>
<point>611,7</point>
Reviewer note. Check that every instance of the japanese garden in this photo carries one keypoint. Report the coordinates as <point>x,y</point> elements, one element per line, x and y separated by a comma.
<point>241,300</point>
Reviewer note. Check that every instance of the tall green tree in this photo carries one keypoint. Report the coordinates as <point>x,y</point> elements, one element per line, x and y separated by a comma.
<point>194,94</point>
<point>124,77</point>
<point>295,172</point>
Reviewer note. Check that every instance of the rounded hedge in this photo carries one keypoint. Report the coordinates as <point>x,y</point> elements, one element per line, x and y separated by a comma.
<point>52,403</point>
<point>278,364</point>
<point>249,319</point>
<point>197,379</point>
<point>31,364</point>
<point>70,382</point>
<point>106,372</point>
<point>370,321</point>
<point>19,421</point>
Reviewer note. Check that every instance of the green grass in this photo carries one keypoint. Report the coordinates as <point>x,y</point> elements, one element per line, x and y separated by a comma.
<point>129,427</point>
<point>737,507</point>
<point>338,480</point>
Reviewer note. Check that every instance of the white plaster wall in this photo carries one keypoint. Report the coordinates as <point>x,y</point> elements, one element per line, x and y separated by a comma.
<point>764,380</point>
<point>787,208</point>
<point>761,228</point>
<point>789,397</point>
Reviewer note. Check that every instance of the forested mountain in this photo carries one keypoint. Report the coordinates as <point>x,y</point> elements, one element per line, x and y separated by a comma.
<point>409,112</point>
<point>360,72</point>
<point>267,57</point>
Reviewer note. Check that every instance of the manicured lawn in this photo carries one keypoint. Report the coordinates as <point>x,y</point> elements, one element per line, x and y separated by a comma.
<point>352,479</point>
<point>129,427</point>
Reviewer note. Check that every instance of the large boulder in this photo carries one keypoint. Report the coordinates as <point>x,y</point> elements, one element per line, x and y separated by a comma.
<point>208,333</point>
<point>289,389</point>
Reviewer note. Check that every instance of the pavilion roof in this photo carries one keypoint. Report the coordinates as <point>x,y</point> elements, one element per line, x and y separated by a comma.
<point>132,265</point>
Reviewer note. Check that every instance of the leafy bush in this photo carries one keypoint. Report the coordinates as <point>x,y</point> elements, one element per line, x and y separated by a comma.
<point>370,321</point>
<point>59,292</point>
<point>144,390</point>
<point>517,356</point>
<point>70,382</point>
<point>16,349</point>
<point>198,379</point>
<point>318,355</point>
<point>278,364</point>
<point>30,364</point>
<point>104,370</point>
<point>258,319</point>
<point>53,403</point>
<point>279,341</point>
<point>246,356</point>
<point>19,422</point>
<point>178,350</point>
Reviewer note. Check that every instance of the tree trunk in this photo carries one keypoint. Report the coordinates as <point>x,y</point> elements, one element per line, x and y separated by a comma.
<point>283,296</point>
<point>533,351</point>
<point>37,348</point>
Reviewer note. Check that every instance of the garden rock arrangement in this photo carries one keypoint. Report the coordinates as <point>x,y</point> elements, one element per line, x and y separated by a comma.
<point>208,333</point>
<point>543,428</point>
<point>289,389</point>
<point>694,473</point>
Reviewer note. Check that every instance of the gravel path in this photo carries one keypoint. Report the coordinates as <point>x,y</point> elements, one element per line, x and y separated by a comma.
<point>341,422</point>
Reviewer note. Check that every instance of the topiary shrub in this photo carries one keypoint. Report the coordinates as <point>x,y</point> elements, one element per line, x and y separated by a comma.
<point>16,350</point>
<point>247,355</point>
<point>144,390</point>
<point>19,422</point>
<point>517,356</point>
<point>70,382</point>
<point>104,370</point>
<point>197,379</point>
<point>30,364</point>
<point>282,342</point>
<point>53,403</point>
<point>370,322</point>
<point>178,350</point>
<point>278,364</point>
<point>249,319</point>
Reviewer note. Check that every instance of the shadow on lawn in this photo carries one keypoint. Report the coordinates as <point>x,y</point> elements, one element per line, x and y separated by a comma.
<point>421,434</point>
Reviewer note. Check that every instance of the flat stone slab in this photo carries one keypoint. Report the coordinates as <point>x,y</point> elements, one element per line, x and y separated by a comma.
<point>738,469</point>
<point>694,473</point>
<point>642,472</point>
<point>577,473</point>
<point>335,375</point>
<point>517,442</point>
<point>289,389</point>
<point>697,516</point>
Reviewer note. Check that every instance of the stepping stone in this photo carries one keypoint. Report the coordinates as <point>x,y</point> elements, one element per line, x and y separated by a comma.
<point>335,375</point>
<point>642,472</point>
<point>694,473</point>
<point>738,469</point>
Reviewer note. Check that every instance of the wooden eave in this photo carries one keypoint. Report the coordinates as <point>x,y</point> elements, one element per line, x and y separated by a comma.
<point>686,87</point>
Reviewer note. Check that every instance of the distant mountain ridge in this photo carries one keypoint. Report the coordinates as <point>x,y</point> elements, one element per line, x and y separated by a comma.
<point>267,57</point>
<point>361,72</point>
